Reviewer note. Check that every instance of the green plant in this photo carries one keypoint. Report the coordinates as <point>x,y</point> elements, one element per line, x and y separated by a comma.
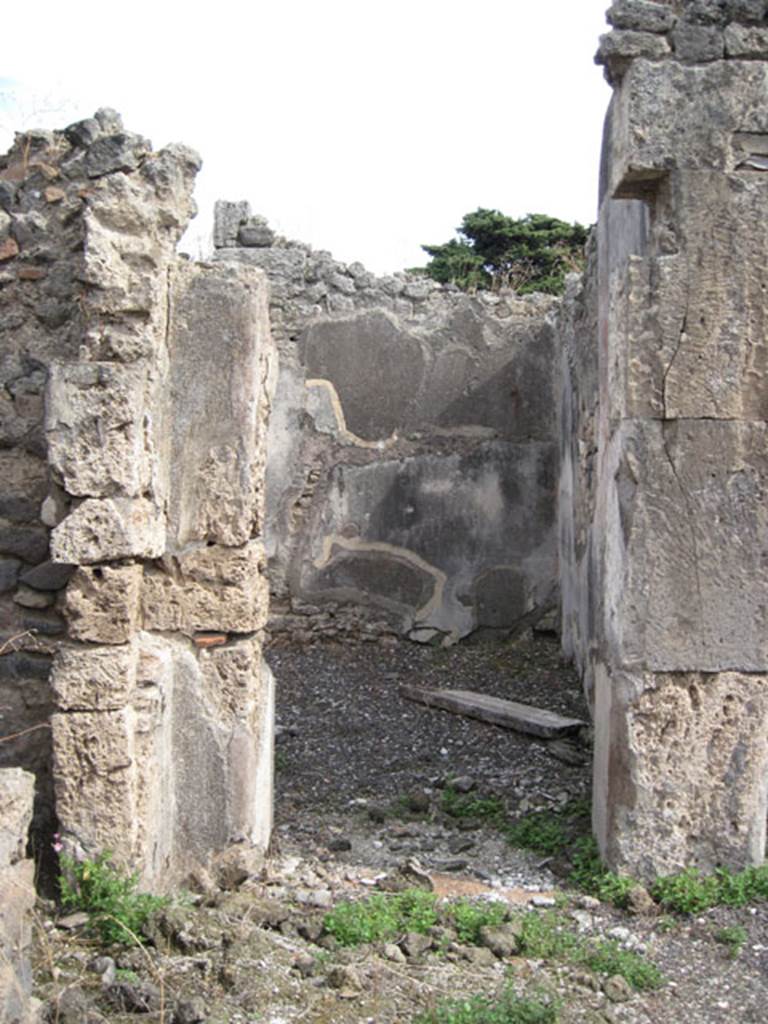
<point>465,805</point>
<point>532,253</point>
<point>609,958</point>
<point>506,1008</point>
<point>541,831</point>
<point>381,916</point>
<point>116,911</point>
<point>551,831</point>
<point>666,923</point>
<point>468,917</point>
<point>690,892</point>
<point>548,937</point>
<point>589,874</point>
<point>126,974</point>
<point>733,936</point>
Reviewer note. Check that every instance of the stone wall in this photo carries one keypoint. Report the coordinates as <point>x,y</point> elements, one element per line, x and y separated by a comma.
<point>577,428</point>
<point>411,474</point>
<point>134,414</point>
<point>675,557</point>
<point>17,897</point>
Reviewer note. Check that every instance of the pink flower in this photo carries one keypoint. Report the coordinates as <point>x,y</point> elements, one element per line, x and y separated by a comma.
<point>57,844</point>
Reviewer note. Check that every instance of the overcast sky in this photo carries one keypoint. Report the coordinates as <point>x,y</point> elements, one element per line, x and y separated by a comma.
<point>364,128</point>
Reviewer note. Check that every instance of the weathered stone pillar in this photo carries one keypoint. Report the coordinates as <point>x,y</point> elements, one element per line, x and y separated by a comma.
<point>156,398</point>
<point>681,517</point>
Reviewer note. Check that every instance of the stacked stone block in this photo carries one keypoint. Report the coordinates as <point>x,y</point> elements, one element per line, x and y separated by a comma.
<point>678,652</point>
<point>155,374</point>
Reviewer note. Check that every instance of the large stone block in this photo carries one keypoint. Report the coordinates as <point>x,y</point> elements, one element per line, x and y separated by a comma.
<point>95,428</point>
<point>719,363</point>
<point>103,530</point>
<point>222,760</point>
<point>684,340</point>
<point>86,678</point>
<point>17,896</point>
<point>17,791</point>
<point>681,770</point>
<point>102,603</point>
<point>233,676</point>
<point>214,588</point>
<point>686,587</point>
<point>17,900</point>
<point>95,776</point>
<point>673,116</point>
<point>217,408</point>
<point>641,16</point>
<point>227,219</point>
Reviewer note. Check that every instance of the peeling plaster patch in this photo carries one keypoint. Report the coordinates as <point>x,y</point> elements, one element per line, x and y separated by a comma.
<point>341,423</point>
<point>355,544</point>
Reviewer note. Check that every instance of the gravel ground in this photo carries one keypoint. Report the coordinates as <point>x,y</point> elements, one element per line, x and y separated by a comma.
<point>360,781</point>
<point>348,741</point>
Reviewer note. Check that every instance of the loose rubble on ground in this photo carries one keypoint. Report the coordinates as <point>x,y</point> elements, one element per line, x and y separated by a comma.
<point>361,781</point>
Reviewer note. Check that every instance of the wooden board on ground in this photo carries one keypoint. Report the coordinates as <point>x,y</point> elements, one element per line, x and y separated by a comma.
<point>506,713</point>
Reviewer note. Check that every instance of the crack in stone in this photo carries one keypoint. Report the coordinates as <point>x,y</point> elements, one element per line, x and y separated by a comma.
<point>687,502</point>
<point>670,364</point>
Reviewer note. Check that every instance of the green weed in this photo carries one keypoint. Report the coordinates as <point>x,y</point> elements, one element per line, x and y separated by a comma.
<point>734,936</point>
<point>550,832</point>
<point>381,916</point>
<point>609,958</point>
<point>465,805</point>
<point>468,918</point>
<point>126,974</point>
<point>548,937</point>
<point>116,911</point>
<point>589,875</point>
<point>690,892</point>
<point>541,831</point>
<point>507,1008</point>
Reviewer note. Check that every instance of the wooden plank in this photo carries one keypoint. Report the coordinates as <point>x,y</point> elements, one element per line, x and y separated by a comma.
<point>509,714</point>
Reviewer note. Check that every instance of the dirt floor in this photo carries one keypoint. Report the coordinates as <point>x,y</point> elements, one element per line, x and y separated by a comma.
<point>375,791</point>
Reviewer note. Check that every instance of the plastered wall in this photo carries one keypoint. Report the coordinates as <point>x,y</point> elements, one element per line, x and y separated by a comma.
<point>411,473</point>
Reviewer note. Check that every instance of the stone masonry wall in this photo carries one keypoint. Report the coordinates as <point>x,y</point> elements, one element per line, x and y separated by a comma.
<point>146,467</point>
<point>577,423</point>
<point>677,642</point>
<point>411,472</point>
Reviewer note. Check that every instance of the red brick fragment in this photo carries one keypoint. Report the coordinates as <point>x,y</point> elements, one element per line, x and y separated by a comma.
<point>206,640</point>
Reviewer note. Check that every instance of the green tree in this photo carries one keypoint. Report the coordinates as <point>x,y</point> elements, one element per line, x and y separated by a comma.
<point>531,254</point>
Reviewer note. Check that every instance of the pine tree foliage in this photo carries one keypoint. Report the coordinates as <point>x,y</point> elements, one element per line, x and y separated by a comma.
<point>531,254</point>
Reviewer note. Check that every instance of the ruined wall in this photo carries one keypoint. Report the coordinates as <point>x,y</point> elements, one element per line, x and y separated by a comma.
<point>146,466</point>
<point>678,643</point>
<point>412,460</point>
<point>17,897</point>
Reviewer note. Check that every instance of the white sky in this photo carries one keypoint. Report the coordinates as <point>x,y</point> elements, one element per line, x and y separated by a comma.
<point>364,128</point>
